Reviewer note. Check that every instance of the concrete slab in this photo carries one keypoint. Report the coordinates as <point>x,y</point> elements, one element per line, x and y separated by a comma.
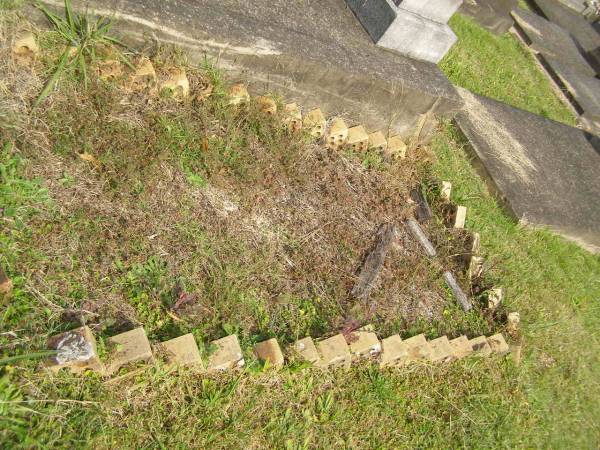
<point>570,20</point>
<point>584,89</point>
<point>315,53</point>
<point>551,40</point>
<point>436,10</point>
<point>578,6</point>
<point>412,35</point>
<point>546,173</point>
<point>493,15</point>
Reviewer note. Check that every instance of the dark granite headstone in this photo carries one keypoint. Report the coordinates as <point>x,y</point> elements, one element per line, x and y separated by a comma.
<point>375,16</point>
<point>546,172</point>
<point>491,14</point>
<point>551,40</point>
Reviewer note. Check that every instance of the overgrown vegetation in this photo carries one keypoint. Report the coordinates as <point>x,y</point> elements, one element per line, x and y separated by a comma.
<point>500,67</point>
<point>193,216</point>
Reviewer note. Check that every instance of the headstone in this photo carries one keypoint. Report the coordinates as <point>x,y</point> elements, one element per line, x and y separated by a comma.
<point>415,28</point>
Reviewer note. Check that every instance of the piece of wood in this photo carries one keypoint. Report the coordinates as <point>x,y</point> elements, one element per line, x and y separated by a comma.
<point>373,263</point>
<point>423,210</point>
<point>461,297</point>
<point>419,235</point>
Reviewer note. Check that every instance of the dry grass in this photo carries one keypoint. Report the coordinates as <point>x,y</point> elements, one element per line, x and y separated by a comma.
<point>255,229</point>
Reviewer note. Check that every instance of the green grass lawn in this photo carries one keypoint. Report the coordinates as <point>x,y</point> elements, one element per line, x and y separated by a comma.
<point>500,67</point>
<point>115,241</point>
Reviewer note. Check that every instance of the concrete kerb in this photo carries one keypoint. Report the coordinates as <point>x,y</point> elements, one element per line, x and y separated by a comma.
<point>393,93</point>
<point>328,353</point>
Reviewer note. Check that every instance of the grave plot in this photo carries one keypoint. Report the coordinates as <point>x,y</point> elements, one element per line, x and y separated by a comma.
<point>200,207</point>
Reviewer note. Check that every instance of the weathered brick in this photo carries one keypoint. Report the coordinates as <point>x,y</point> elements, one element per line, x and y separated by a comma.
<point>495,297</point>
<point>270,351</point>
<point>334,352</point>
<point>461,347</point>
<point>514,319</point>
<point>364,343</point>
<point>293,117</point>
<point>498,344</point>
<point>306,349</point>
<point>128,348</point>
<point>396,147</point>
<point>378,141</point>
<point>358,139</point>
<point>446,190</point>
<point>238,94</point>
<point>394,352</point>
<point>460,217</point>
<point>25,49</point>
<point>515,351</point>
<point>177,83</point>
<point>227,354</point>
<point>480,346</point>
<point>315,122</point>
<point>418,348</point>
<point>476,267</point>
<point>475,243</point>
<point>6,284</point>
<point>181,351</point>
<point>76,350</point>
<point>441,350</point>
<point>266,105</point>
<point>337,135</point>
<point>144,76</point>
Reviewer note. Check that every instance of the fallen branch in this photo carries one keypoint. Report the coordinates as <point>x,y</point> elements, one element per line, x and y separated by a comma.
<point>458,292</point>
<point>373,263</point>
<point>419,235</point>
